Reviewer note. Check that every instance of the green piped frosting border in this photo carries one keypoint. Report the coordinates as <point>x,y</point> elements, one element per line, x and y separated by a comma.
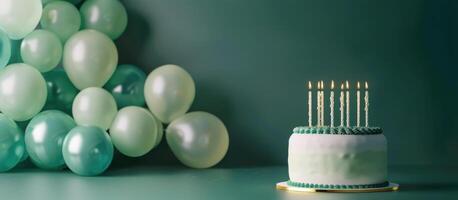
<point>340,130</point>
<point>332,186</point>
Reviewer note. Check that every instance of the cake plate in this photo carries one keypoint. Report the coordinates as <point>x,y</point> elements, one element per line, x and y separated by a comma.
<point>284,186</point>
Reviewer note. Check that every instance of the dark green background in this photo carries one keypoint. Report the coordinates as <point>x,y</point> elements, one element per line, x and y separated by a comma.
<point>251,59</point>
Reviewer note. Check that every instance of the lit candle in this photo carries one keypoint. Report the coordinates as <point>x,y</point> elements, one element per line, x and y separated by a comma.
<point>331,104</point>
<point>348,103</point>
<point>310,104</point>
<point>366,103</point>
<point>358,105</point>
<point>322,104</point>
<point>342,105</point>
<point>318,102</point>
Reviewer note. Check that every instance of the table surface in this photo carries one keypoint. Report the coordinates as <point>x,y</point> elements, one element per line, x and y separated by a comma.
<point>219,183</point>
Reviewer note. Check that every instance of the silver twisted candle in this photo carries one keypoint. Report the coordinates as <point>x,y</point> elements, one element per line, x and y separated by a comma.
<point>310,104</point>
<point>318,102</point>
<point>358,105</point>
<point>366,103</point>
<point>322,104</point>
<point>331,103</point>
<point>348,103</point>
<point>342,105</point>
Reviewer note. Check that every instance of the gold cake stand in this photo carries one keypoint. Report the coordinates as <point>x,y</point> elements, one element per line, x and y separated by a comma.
<point>286,187</point>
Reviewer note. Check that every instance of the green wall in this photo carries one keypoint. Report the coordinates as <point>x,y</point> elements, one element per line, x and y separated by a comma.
<point>251,59</point>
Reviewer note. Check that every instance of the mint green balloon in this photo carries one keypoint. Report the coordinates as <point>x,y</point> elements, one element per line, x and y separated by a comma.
<point>90,58</point>
<point>198,139</point>
<point>106,16</point>
<point>22,91</point>
<point>127,85</point>
<point>62,18</point>
<point>61,91</point>
<point>41,49</point>
<point>87,150</point>
<point>19,17</point>
<point>44,137</point>
<point>94,107</point>
<point>12,146</point>
<point>134,131</point>
<point>169,92</point>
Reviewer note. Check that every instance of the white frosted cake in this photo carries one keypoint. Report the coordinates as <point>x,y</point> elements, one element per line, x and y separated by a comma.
<point>337,158</point>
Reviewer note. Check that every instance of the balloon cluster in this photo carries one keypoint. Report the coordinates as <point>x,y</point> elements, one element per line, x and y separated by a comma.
<point>92,87</point>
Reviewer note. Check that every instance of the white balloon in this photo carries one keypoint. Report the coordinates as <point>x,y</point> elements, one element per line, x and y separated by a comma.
<point>94,107</point>
<point>169,92</point>
<point>198,139</point>
<point>134,131</point>
<point>19,17</point>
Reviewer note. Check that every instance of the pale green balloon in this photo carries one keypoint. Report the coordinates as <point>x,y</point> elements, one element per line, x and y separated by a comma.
<point>134,131</point>
<point>198,139</point>
<point>62,18</point>
<point>23,91</point>
<point>87,150</point>
<point>41,49</point>
<point>90,58</point>
<point>19,17</point>
<point>94,107</point>
<point>106,16</point>
<point>12,146</point>
<point>44,137</point>
<point>159,131</point>
<point>169,92</point>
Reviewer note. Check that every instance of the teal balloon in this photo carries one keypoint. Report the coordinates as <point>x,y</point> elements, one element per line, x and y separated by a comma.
<point>5,49</point>
<point>106,16</point>
<point>61,91</point>
<point>94,107</point>
<point>169,92</point>
<point>19,17</point>
<point>12,146</point>
<point>24,156</point>
<point>44,137</point>
<point>198,139</point>
<point>134,131</point>
<point>41,49</point>
<point>87,150</point>
<point>127,85</point>
<point>22,91</point>
<point>90,58</point>
<point>62,18</point>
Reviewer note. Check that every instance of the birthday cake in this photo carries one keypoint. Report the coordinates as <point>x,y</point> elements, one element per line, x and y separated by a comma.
<point>337,157</point>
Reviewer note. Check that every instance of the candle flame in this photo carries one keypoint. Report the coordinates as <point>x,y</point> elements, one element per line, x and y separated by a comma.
<point>367,86</point>
<point>348,85</point>
<point>318,85</point>
<point>342,86</point>
<point>332,84</point>
<point>322,85</point>
<point>310,85</point>
<point>358,85</point>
